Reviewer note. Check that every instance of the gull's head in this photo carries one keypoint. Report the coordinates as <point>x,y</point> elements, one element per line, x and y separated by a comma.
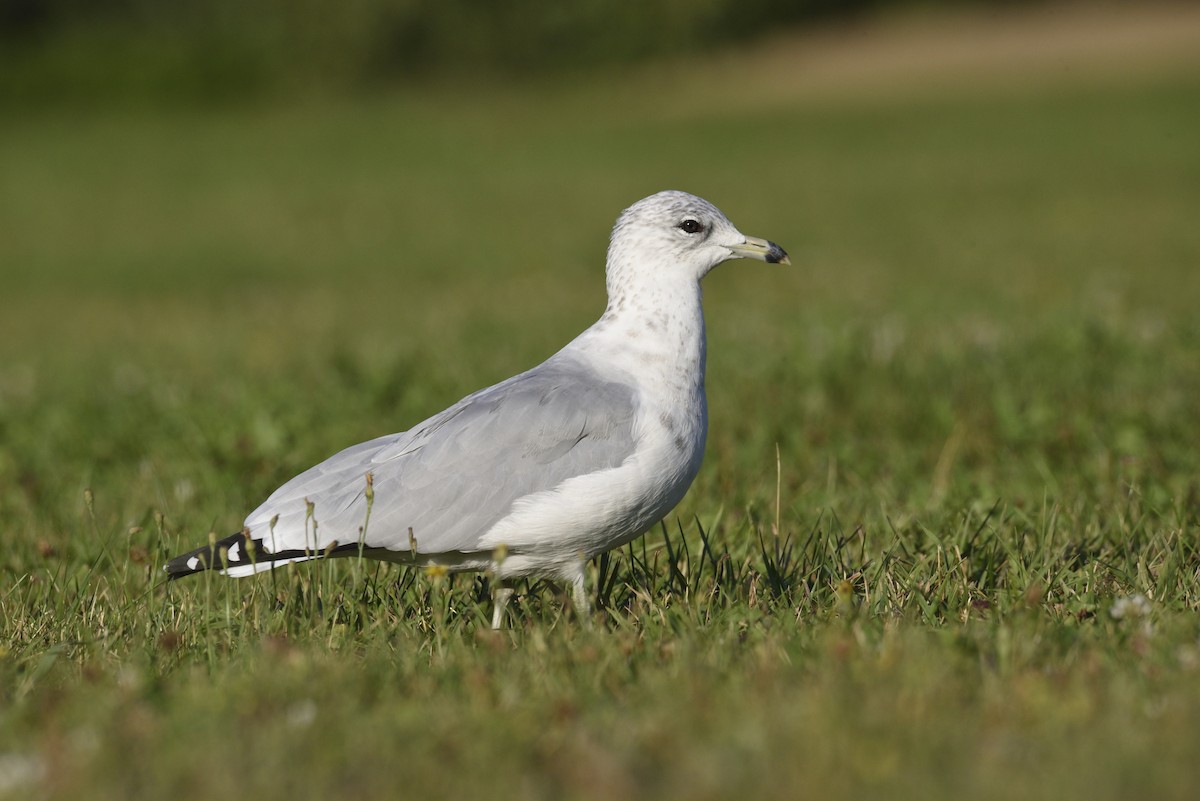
<point>684,234</point>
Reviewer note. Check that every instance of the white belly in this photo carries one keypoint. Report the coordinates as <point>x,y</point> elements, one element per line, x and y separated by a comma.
<point>553,532</point>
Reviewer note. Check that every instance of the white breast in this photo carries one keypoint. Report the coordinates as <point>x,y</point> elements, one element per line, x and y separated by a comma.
<point>663,355</point>
<point>551,532</point>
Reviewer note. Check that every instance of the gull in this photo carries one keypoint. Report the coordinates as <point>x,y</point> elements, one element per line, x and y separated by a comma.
<point>534,476</point>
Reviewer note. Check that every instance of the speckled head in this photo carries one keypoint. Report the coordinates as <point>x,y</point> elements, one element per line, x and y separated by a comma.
<point>679,232</point>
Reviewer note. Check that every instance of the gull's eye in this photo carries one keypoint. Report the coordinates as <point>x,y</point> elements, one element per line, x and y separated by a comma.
<point>690,226</point>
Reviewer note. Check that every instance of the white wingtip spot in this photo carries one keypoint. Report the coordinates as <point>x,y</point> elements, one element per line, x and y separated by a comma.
<point>193,562</point>
<point>233,551</point>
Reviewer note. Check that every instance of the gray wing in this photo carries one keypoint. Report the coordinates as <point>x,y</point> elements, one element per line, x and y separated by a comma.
<point>452,477</point>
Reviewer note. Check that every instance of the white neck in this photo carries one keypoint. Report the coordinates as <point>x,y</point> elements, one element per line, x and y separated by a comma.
<point>655,328</point>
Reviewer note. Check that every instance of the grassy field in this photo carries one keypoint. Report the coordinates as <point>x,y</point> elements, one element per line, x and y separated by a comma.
<point>945,544</point>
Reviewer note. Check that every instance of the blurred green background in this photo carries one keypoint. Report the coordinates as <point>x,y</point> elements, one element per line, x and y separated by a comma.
<point>55,49</point>
<point>235,237</point>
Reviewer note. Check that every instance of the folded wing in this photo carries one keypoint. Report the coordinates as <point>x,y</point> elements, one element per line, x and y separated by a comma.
<point>452,477</point>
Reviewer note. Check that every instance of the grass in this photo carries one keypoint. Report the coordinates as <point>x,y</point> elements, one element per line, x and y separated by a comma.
<point>945,447</point>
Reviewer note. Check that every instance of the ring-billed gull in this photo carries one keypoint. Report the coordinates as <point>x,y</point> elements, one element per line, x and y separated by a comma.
<point>537,474</point>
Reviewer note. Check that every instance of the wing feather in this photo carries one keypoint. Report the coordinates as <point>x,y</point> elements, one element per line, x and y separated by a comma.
<point>453,476</point>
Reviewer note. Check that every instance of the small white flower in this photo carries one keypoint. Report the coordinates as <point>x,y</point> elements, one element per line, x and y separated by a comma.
<point>19,770</point>
<point>301,714</point>
<point>1130,606</point>
<point>184,491</point>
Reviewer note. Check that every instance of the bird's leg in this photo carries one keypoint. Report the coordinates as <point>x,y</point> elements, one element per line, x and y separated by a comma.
<point>501,592</point>
<point>583,608</point>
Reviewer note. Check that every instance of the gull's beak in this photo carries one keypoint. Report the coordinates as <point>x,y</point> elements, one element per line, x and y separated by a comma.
<point>761,249</point>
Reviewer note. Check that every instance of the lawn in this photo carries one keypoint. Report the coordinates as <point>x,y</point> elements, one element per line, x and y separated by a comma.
<point>945,544</point>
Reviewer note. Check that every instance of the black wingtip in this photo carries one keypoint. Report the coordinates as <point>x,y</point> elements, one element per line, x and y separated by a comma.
<point>241,550</point>
<point>236,549</point>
